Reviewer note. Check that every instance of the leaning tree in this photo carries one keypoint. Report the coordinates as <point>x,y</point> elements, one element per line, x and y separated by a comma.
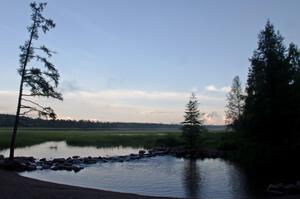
<point>41,78</point>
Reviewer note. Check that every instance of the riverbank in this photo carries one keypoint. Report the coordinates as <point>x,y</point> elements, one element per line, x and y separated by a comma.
<point>13,186</point>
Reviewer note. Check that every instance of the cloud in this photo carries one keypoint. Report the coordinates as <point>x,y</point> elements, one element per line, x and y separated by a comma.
<point>214,118</point>
<point>213,88</point>
<point>126,105</point>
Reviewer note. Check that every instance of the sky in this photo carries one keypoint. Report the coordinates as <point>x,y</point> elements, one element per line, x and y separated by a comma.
<point>139,61</point>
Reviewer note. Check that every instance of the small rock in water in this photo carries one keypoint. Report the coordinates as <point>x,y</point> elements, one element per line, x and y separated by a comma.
<point>76,168</point>
<point>142,152</point>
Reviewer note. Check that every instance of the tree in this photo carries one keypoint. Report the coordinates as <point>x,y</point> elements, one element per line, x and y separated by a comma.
<point>235,104</point>
<point>42,79</point>
<point>192,124</point>
<point>268,105</point>
<point>293,58</point>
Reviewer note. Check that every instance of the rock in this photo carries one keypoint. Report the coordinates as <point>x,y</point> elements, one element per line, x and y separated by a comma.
<point>59,160</point>
<point>77,161</point>
<point>76,168</point>
<point>18,164</point>
<point>89,160</point>
<point>2,157</point>
<point>142,152</point>
<point>43,160</point>
<point>75,157</point>
<point>46,166</point>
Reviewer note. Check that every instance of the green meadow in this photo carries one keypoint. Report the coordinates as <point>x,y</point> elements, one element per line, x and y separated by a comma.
<point>100,138</point>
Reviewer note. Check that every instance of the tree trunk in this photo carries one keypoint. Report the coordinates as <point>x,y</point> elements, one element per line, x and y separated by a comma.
<point>14,133</point>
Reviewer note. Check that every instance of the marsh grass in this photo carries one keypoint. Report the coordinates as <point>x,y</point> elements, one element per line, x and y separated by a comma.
<point>100,138</point>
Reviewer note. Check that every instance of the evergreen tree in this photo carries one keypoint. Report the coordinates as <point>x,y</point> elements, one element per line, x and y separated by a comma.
<point>235,104</point>
<point>294,60</point>
<point>269,90</point>
<point>40,81</point>
<point>192,124</point>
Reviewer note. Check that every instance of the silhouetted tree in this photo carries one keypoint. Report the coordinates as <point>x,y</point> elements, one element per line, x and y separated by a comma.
<point>235,104</point>
<point>40,82</point>
<point>192,124</point>
<point>268,105</point>
<point>293,59</point>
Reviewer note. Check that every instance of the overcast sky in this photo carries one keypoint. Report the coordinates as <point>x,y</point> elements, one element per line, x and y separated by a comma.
<point>132,60</point>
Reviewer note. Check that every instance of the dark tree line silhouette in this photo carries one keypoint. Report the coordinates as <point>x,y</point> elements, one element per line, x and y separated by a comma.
<point>270,120</point>
<point>8,121</point>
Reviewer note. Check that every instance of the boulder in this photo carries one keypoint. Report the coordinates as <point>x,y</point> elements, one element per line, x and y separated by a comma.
<point>76,168</point>
<point>89,160</point>
<point>18,164</point>
<point>59,160</point>
<point>142,152</point>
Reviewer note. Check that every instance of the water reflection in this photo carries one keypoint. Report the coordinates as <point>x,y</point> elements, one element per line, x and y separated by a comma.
<point>191,178</point>
<point>159,176</point>
<point>62,150</point>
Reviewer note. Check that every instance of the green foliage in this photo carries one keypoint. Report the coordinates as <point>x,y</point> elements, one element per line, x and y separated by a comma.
<point>235,104</point>
<point>192,124</point>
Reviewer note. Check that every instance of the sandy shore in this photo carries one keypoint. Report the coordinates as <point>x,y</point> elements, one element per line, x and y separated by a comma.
<point>13,186</point>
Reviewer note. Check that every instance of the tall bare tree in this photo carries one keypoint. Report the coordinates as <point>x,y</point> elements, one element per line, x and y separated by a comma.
<point>41,80</point>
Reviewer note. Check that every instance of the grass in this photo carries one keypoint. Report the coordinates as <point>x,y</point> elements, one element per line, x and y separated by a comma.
<point>100,138</point>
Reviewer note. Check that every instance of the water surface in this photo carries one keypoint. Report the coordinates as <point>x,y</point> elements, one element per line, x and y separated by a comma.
<point>62,150</point>
<point>156,176</point>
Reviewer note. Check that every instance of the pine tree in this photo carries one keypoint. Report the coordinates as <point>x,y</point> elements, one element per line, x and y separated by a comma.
<point>268,103</point>
<point>192,124</point>
<point>235,104</point>
<point>40,81</point>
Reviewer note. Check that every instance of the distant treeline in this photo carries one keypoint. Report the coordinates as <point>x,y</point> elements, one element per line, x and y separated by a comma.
<point>8,121</point>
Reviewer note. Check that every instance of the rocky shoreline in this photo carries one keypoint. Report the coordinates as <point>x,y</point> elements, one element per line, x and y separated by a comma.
<point>77,163</point>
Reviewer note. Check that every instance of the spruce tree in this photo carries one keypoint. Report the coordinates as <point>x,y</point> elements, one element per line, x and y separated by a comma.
<point>269,91</point>
<point>235,104</point>
<point>192,124</point>
<point>41,79</point>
